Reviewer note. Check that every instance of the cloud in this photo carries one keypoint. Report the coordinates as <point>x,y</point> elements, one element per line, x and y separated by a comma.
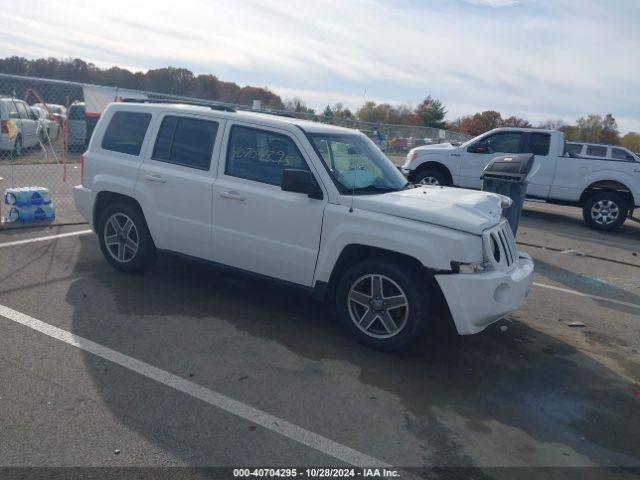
<point>560,59</point>
<point>494,3</point>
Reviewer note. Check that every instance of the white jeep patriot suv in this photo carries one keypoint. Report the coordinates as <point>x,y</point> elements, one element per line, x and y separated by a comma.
<point>311,205</point>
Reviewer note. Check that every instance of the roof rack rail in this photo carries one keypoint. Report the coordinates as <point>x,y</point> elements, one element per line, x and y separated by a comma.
<point>212,106</point>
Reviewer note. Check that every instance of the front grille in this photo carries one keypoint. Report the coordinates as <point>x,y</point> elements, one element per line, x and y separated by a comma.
<point>500,246</point>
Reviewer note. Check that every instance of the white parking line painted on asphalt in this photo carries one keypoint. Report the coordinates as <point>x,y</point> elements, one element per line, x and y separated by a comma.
<point>580,294</point>
<point>218,400</point>
<point>45,239</point>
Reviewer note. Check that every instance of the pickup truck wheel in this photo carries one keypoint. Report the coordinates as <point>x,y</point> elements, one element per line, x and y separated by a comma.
<point>430,177</point>
<point>382,305</point>
<point>124,238</point>
<point>605,211</point>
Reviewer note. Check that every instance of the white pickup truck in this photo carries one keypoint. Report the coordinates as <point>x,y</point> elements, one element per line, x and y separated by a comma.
<point>313,206</point>
<point>607,189</point>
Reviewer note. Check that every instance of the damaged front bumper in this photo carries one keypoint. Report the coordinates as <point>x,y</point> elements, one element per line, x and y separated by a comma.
<point>476,300</point>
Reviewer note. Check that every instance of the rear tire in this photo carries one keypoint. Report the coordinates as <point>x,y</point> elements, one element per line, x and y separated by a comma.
<point>389,317</point>
<point>430,177</point>
<point>124,238</point>
<point>605,211</point>
<point>17,148</point>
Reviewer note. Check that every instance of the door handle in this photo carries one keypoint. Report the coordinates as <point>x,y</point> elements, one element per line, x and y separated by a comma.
<point>233,195</point>
<point>155,178</point>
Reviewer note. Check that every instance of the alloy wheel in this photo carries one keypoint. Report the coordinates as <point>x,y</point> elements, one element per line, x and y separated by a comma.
<point>605,212</point>
<point>429,181</point>
<point>121,237</point>
<point>378,306</point>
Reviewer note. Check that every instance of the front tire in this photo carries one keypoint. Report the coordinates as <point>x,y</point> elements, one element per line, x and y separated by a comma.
<point>124,238</point>
<point>605,211</point>
<point>430,177</point>
<point>383,305</point>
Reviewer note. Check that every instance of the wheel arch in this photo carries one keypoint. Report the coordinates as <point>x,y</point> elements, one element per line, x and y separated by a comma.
<point>354,253</point>
<point>607,185</point>
<point>106,198</point>
<point>433,165</point>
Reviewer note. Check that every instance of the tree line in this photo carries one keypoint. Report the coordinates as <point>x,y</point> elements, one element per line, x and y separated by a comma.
<point>430,112</point>
<point>168,80</point>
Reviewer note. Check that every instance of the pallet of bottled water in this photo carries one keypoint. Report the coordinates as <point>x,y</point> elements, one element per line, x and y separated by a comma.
<point>28,204</point>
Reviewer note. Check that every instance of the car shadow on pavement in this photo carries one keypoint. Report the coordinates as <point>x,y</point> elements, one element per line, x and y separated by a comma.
<point>590,286</point>
<point>182,312</point>
<point>548,221</point>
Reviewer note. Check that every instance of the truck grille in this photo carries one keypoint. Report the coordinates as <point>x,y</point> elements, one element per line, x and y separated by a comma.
<point>500,246</point>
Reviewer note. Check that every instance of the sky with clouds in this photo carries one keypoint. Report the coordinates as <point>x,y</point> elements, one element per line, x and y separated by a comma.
<point>537,59</point>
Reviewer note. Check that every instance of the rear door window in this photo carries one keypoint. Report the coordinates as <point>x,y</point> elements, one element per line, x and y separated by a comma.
<point>186,141</point>
<point>126,132</point>
<point>596,151</point>
<point>538,144</point>
<point>573,148</point>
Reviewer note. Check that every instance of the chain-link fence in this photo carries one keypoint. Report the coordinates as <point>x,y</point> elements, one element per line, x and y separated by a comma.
<point>393,139</point>
<point>40,145</point>
<point>44,130</point>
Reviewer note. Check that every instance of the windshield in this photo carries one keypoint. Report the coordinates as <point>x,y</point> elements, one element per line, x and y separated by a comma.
<point>356,164</point>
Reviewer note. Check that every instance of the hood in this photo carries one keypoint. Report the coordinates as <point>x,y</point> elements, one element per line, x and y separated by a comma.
<point>467,210</point>
<point>435,147</point>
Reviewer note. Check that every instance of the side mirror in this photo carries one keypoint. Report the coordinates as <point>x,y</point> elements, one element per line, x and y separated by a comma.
<point>478,149</point>
<point>300,181</point>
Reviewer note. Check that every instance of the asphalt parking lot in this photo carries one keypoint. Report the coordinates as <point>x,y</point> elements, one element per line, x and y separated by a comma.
<point>188,366</point>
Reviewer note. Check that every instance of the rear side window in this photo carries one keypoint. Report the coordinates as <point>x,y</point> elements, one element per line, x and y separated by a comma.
<point>22,110</point>
<point>573,148</point>
<point>596,151</point>
<point>261,156</point>
<point>186,141</point>
<point>13,111</point>
<point>538,144</point>
<point>126,132</point>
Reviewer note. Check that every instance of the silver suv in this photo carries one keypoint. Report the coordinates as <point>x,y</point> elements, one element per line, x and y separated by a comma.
<point>18,126</point>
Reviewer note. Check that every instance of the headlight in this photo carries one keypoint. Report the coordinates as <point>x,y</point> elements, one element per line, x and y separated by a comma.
<point>411,156</point>
<point>474,267</point>
<point>505,202</point>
